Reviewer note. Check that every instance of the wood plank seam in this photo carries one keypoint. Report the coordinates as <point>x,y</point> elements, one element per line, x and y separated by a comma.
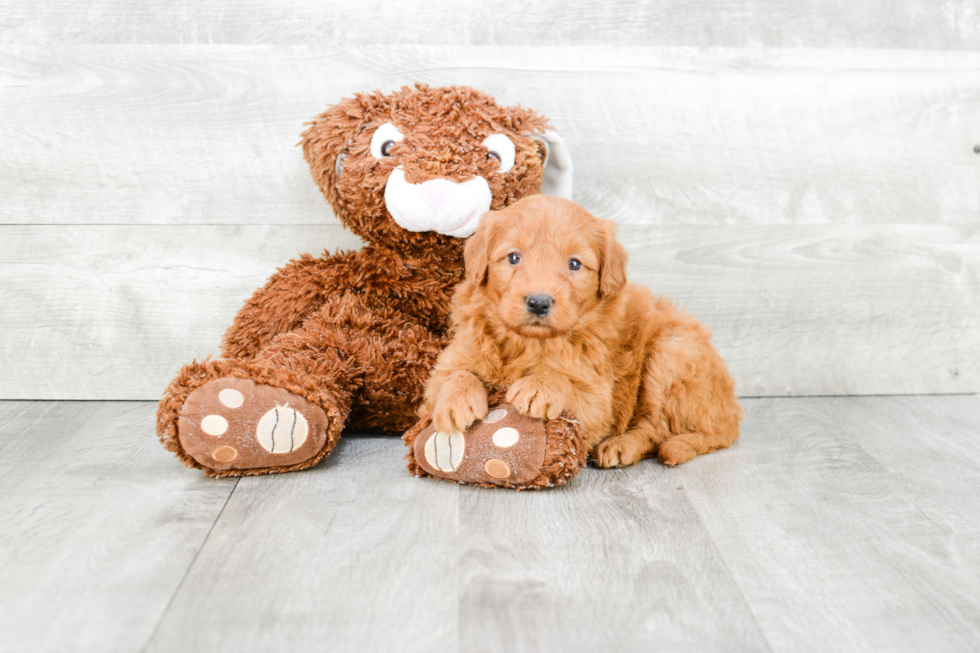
<point>721,557</point>
<point>204,541</point>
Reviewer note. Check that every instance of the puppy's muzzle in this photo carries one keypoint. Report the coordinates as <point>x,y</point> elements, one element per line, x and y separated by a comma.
<point>539,304</point>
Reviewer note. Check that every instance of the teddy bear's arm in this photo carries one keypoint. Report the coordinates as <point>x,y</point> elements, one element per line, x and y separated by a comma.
<point>293,293</point>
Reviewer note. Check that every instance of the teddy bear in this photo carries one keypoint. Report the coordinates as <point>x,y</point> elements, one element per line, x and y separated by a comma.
<point>348,339</point>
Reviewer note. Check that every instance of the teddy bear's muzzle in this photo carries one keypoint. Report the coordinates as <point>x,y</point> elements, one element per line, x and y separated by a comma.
<point>440,205</point>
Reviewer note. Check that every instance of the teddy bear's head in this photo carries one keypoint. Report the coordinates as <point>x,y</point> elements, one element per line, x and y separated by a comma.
<point>415,170</point>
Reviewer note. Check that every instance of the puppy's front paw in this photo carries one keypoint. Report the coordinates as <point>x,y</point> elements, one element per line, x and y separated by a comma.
<point>462,400</point>
<point>534,397</point>
<point>618,451</point>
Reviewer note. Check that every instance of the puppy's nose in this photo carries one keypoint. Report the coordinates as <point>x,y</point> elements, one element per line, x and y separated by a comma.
<point>539,304</point>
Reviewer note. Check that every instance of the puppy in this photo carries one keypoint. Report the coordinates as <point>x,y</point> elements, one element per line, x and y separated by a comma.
<point>545,310</point>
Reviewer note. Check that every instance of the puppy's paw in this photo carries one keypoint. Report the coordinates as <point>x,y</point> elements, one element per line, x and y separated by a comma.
<point>536,398</point>
<point>619,451</point>
<point>676,450</point>
<point>462,400</point>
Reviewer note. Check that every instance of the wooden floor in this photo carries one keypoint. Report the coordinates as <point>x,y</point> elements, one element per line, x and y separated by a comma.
<point>833,524</point>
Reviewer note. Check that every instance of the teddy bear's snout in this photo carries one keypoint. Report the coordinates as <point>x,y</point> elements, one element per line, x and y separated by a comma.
<point>437,192</point>
<point>440,205</point>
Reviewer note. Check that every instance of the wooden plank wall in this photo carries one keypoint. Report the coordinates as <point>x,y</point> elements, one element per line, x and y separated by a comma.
<point>803,176</point>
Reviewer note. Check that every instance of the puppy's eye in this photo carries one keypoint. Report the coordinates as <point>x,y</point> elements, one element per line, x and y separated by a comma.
<point>383,139</point>
<point>513,258</point>
<point>574,264</point>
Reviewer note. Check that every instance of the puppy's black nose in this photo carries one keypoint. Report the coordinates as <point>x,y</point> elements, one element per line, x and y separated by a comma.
<point>539,304</point>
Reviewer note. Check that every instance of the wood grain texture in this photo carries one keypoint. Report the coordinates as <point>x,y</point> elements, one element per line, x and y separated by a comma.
<point>99,525</point>
<point>149,134</point>
<point>361,555</point>
<point>833,524</point>
<point>616,561</point>
<point>354,555</point>
<point>836,23</point>
<point>112,312</point>
<point>840,521</point>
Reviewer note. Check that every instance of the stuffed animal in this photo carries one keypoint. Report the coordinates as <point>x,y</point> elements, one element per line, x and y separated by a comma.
<point>349,339</point>
<point>504,449</point>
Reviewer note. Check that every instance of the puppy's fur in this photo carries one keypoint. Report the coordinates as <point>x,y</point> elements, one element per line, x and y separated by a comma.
<point>640,374</point>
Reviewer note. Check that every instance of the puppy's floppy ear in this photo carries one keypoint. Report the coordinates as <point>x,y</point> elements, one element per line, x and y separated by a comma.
<point>612,260</point>
<point>476,254</point>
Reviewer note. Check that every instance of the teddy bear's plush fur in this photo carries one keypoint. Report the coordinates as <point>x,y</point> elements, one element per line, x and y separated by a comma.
<point>353,334</point>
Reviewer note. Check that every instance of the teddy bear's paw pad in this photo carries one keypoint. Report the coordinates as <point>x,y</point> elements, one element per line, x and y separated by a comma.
<point>504,448</point>
<point>234,423</point>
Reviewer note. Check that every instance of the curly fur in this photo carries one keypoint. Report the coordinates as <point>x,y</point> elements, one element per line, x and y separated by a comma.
<point>357,333</point>
<point>639,373</point>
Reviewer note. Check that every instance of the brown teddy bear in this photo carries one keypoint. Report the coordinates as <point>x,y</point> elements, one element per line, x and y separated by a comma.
<point>350,338</point>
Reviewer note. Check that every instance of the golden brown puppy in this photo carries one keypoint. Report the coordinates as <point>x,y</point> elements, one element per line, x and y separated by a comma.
<point>546,311</point>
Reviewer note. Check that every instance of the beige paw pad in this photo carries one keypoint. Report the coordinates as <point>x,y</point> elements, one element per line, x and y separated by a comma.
<point>282,430</point>
<point>214,425</point>
<point>497,468</point>
<point>495,416</point>
<point>231,398</point>
<point>224,454</point>
<point>506,437</point>
<point>444,451</point>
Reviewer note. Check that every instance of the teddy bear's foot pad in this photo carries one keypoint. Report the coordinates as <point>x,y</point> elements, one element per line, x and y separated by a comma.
<point>232,423</point>
<point>504,448</point>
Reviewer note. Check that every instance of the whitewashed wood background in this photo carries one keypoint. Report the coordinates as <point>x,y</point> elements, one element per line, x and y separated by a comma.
<point>802,175</point>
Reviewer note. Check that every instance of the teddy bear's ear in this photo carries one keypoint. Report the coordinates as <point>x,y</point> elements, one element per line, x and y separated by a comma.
<point>557,164</point>
<point>326,138</point>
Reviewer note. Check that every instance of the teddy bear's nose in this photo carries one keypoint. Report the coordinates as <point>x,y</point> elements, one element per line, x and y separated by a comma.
<point>437,192</point>
<point>539,304</point>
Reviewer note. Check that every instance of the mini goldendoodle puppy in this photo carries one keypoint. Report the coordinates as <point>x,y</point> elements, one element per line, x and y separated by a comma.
<point>546,311</point>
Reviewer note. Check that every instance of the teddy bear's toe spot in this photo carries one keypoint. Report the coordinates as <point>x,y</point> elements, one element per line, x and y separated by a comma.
<point>282,430</point>
<point>444,451</point>
<point>497,468</point>
<point>506,437</point>
<point>224,454</point>
<point>495,416</point>
<point>214,425</point>
<point>231,398</point>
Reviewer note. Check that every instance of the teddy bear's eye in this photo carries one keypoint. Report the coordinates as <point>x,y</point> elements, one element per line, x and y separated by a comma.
<point>574,264</point>
<point>513,258</point>
<point>384,138</point>
<point>502,149</point>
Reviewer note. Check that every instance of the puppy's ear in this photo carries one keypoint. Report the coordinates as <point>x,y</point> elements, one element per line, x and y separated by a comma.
<point>612,260</point>
<point>476,254</point>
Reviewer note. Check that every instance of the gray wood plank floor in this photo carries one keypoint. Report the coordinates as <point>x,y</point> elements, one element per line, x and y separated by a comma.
<point>833,524</point>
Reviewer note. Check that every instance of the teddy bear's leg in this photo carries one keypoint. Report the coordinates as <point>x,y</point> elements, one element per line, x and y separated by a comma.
<point>239,417</point>
<point>504,449</point>
<point>232,417</point>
